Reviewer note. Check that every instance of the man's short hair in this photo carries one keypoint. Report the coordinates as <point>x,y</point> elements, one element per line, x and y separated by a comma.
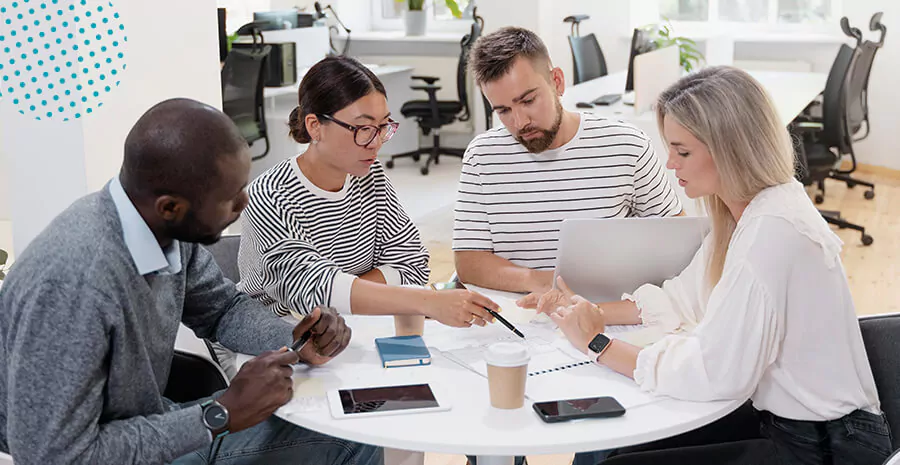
<point>494,54</point>
<point>175,149</point>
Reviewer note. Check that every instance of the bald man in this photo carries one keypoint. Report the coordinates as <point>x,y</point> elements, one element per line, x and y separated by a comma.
<point>89,313</point>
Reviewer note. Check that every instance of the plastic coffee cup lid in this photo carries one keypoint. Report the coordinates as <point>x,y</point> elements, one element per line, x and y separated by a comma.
<point>506,354</point>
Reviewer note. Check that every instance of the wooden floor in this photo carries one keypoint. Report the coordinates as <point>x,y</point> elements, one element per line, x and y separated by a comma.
<point>872,271</point>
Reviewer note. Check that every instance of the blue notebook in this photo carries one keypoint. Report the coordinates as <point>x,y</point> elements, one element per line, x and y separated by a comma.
<point>402,351</point>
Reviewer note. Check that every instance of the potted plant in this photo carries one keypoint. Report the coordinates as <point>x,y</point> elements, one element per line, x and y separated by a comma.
<point>416,19</point>
<point>688,55</point>
<point>4,256</point>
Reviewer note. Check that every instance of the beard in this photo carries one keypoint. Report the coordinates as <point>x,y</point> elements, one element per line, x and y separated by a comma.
<point>543,142</point>
<point>192,230</point>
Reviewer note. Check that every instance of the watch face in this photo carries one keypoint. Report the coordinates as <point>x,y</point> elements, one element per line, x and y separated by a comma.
<point>215,417</point>
<point>598,343</point>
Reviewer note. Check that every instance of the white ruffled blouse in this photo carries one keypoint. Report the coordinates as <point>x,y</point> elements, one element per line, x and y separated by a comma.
<point>779,327</point>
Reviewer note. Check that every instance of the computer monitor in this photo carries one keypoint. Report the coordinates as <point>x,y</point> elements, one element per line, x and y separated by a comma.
<point>223,36</point>
<point>277,19</point>
<point>641,42</point>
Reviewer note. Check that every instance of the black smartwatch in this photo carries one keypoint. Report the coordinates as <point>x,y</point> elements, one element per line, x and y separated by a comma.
<point>598,345</point>
<point>215,418</point>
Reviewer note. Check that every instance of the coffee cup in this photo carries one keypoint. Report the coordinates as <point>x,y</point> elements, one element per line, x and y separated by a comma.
<point>507,367</point>
<point>409,325</point>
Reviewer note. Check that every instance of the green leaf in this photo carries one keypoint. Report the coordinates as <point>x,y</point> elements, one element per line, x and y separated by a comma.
<point>686,40</point>
<point>454,8</point>
<point>4,256</point>
<point>2,275</point>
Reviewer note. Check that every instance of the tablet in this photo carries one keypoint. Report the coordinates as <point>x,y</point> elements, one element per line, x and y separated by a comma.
<point>386,400</point>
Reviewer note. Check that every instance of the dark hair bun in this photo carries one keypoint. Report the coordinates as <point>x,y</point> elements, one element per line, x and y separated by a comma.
<point>297,127</point>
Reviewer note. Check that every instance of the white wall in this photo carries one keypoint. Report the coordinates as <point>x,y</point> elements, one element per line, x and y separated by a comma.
<point>51,163</point>
<point>154,74</point>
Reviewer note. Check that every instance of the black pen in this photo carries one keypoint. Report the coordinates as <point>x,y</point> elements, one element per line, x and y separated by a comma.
<point>304,338</point>
<point>505,323</point>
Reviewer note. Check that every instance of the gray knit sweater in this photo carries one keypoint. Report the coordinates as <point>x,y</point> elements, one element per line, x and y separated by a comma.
<point>86,343</point>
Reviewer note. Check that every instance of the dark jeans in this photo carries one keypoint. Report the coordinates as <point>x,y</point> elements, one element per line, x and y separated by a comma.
<point>277,442</point>
<point>747,436</point>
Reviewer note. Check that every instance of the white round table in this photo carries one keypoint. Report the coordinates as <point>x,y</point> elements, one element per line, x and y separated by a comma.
<point>472,426</point>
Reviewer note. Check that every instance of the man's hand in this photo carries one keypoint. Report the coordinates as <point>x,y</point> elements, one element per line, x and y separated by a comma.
<point>580,322</point>
<point>330,335</point>
<point>549,301</point>
<point>261,386</point>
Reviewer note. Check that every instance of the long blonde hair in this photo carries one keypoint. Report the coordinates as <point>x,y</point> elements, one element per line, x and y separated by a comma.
<point>730,112</point>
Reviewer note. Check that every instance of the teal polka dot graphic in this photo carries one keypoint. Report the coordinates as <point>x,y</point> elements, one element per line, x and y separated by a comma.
<point>59,59</point>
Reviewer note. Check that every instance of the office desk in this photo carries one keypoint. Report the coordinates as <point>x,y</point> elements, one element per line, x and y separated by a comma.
<point>281,101</point>
<point>397,43</point>
<point>790,91</point>
<point>472,426</point>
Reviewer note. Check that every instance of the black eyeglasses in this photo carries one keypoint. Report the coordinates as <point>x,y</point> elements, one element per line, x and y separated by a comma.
<point>365,134</point>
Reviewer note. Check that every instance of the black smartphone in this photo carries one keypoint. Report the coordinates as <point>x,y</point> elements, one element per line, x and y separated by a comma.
<point>572,409</point>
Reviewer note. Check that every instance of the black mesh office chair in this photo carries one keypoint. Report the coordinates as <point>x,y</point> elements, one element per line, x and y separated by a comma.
<point>587,58</point>
<point>858,95</point>
<point>859,82</point>
<point>858,99</point>
<point>822,144</point>
<point>433,114</point>
<point>243,82</point>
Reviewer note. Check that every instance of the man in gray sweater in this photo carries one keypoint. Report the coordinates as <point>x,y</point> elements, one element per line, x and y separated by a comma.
<point>89,313</point>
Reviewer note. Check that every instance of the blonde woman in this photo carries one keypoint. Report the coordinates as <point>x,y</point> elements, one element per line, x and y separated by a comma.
<point>765,305</point>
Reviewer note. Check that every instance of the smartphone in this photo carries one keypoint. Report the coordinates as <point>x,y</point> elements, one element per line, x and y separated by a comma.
<point>447,286</point>
<point>572,409</point>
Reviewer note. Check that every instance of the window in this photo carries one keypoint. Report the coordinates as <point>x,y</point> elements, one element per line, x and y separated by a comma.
<point>240,12</point>
<point>750,11</point>
<point>393,9</point>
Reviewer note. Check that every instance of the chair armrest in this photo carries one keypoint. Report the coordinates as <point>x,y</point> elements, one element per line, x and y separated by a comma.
<point>427,88</point>
<point>807,126</point>
<point>428,79</point>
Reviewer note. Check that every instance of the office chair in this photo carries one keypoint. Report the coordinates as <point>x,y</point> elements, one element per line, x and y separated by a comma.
<point>193,377</point>
<point>858,98</point>
<point>243,82</point>
<point>433,114</point>
<point>822,144</point>
<point>225,253</point>
<point>879,333</point>
<point>859,82</point>
<point>587,58</point>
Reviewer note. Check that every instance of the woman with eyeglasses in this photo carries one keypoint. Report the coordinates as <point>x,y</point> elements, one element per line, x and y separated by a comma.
<point>326,228</point>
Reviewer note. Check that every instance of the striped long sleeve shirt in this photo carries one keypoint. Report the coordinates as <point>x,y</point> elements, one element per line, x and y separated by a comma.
<point>302,246</point>
<point>511,202</point>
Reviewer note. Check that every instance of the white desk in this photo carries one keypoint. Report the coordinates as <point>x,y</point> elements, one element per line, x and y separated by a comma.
<point>281,101</point>
<point>790,91</point>
<point>472,426</point>
<point>397,43</point>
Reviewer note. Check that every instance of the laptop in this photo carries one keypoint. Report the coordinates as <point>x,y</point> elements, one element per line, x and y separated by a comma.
<point>600,259</point>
